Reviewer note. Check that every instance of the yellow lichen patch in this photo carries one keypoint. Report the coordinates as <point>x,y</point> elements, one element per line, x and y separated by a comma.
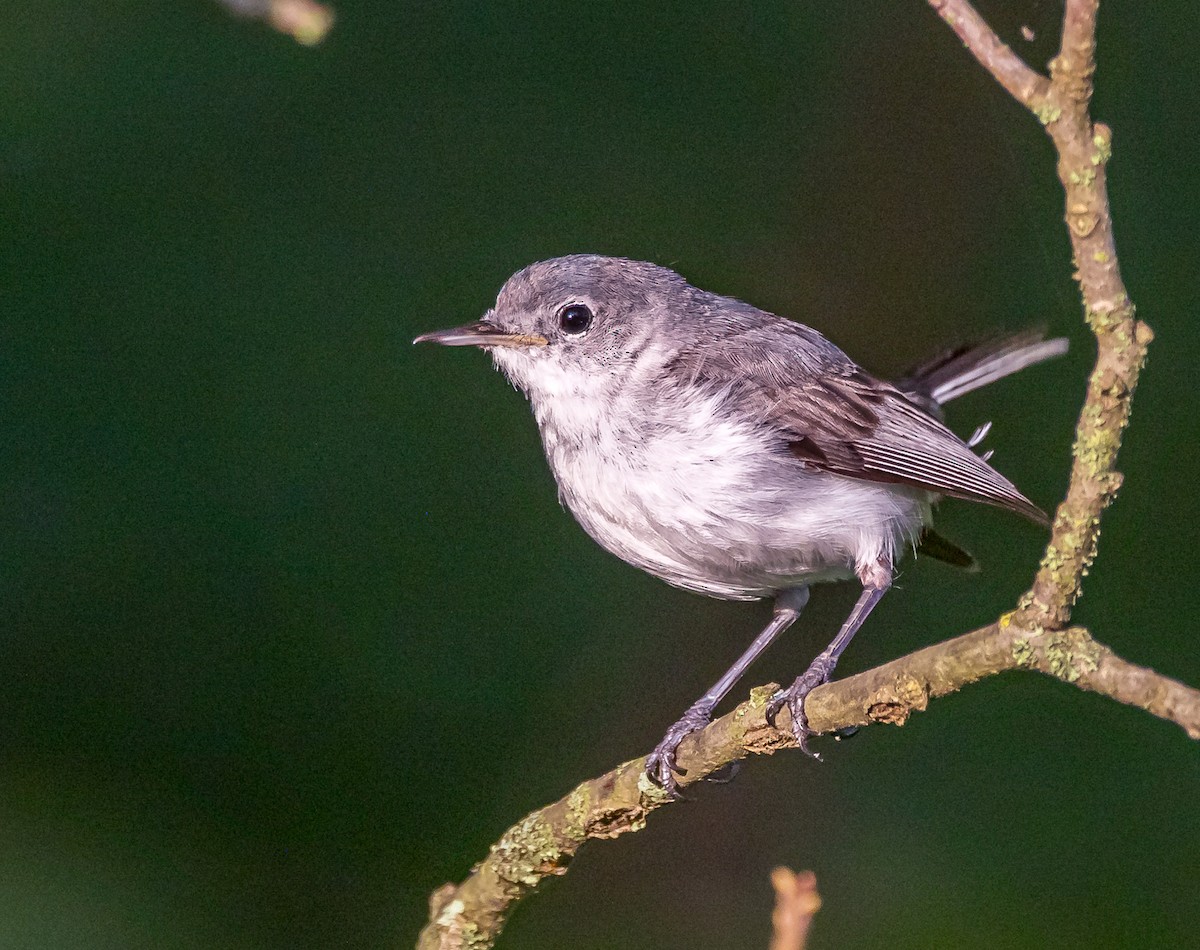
<point>1070,654</point>
<point>579,803</point>
<point>761,695</point>
<point>528,852</point>
<point>1046,112</point>
<point>651,792</point>
<point>1103,320</point>
<point>1096,450</point>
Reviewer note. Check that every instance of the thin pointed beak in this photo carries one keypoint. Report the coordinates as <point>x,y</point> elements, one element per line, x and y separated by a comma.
<point>480,333</point>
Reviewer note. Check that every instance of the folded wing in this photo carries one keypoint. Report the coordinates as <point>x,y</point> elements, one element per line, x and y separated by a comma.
<point>837,418</point>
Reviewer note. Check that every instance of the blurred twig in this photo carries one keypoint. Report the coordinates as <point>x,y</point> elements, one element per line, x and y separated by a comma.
<point>796,902</point>
<point>1035,636</point>
<point>305,21</point>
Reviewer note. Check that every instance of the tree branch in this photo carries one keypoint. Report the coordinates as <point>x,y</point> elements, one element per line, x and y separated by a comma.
<point>1035,636</point>
<point>1084,148</point>
<point>542,844</point>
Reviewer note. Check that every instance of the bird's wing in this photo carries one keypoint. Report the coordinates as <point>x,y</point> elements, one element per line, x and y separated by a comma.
<point>861,427</point>
<point>837,418</point>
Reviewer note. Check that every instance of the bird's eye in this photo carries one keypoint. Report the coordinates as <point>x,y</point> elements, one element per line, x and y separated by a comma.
<point>574,319</point>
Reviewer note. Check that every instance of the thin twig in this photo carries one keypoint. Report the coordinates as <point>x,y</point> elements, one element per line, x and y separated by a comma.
<point>1027,86</point>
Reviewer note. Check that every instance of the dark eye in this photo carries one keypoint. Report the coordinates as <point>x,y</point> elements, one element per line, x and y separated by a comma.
<point>574,319</point>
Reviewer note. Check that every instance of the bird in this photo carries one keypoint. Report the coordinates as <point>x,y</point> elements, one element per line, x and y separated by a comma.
<point>737,454</point>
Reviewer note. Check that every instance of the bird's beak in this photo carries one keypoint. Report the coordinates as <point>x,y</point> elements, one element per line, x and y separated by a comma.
<point>481,333</point>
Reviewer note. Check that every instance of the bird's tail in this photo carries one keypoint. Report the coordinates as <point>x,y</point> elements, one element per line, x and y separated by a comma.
<point>967,368</point>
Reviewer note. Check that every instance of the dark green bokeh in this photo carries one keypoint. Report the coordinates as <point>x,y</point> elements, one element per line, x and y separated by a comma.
<point>293,625</point>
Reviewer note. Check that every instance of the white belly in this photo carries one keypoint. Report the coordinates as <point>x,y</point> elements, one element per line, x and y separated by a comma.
<point>720,507</point>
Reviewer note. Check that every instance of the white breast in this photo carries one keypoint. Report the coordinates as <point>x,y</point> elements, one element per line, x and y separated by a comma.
<point>709,501</point>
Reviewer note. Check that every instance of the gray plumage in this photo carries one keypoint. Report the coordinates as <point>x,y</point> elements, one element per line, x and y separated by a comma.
<point>727,450</point>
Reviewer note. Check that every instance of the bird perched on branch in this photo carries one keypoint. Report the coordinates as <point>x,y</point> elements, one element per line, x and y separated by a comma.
<point>734,453</point>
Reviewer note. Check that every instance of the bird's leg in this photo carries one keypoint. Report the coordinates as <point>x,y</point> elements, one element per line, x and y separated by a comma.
<point>876,581</point>
<point>660,765</point>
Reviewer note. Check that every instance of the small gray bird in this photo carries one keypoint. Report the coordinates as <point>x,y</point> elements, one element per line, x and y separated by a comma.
<point>734,453</point>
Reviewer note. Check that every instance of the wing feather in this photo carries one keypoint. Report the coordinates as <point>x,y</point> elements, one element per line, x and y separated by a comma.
<point>906,445</point>
<point>837,418</point>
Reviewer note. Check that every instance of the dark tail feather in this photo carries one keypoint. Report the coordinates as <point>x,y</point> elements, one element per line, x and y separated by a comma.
<point>967,368</point>
<point>934,545</point>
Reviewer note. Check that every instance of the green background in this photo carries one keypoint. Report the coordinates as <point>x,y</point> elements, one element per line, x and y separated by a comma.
<point>293,625</point>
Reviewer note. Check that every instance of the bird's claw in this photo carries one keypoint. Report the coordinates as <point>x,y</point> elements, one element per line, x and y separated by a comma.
<point>793,697</point>
<point>661,766</point>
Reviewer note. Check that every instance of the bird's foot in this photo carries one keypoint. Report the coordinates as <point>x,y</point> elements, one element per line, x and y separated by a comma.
<point>793,697</point>
<point>661,767</point>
